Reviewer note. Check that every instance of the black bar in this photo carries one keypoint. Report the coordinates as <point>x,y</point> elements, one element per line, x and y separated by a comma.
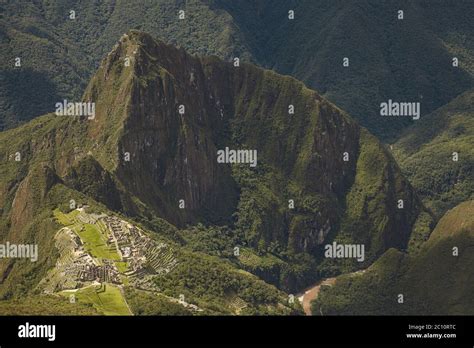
<point>292,331</point>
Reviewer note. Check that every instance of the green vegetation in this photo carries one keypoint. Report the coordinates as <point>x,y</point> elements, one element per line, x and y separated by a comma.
<point>377,182</point>
<point>95,242</point>
<point>45,305</point>
<point>420,233</point>
<point>106,298</point>
<point>66,219</point>
<point>88,177</point>
<point>121,266</point>
<point>425,153</point>
<point>383,51</point>
<point>212,240</point>
<point>266,266</point>
<point>212,285</point>
<point>249,259</point>
<point>144,303</point>
<point>433,280</point>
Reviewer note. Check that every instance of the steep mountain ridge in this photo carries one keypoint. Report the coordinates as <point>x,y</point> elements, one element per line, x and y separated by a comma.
<point>436,280</point>
<point>437,154</point>
<point>173,157</point>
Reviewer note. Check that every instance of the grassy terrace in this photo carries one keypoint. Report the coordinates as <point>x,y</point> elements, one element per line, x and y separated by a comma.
<point>65,219</point>
<point>95,242</point>
<point>94,237</point>
<point>106,298</point>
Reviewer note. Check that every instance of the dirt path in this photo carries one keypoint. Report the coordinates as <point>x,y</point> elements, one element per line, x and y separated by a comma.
<point>122,291</point>
<point>312,293</point>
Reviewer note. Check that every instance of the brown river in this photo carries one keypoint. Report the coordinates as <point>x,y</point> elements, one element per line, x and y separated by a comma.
<point>309,294</point>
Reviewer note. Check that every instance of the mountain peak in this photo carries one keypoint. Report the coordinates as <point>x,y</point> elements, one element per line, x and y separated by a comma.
<point>138,36</point>
<point>128,46</point>
<point>169,112</point>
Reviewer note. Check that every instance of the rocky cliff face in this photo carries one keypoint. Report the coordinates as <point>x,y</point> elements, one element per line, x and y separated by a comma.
<point>163,118</point>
